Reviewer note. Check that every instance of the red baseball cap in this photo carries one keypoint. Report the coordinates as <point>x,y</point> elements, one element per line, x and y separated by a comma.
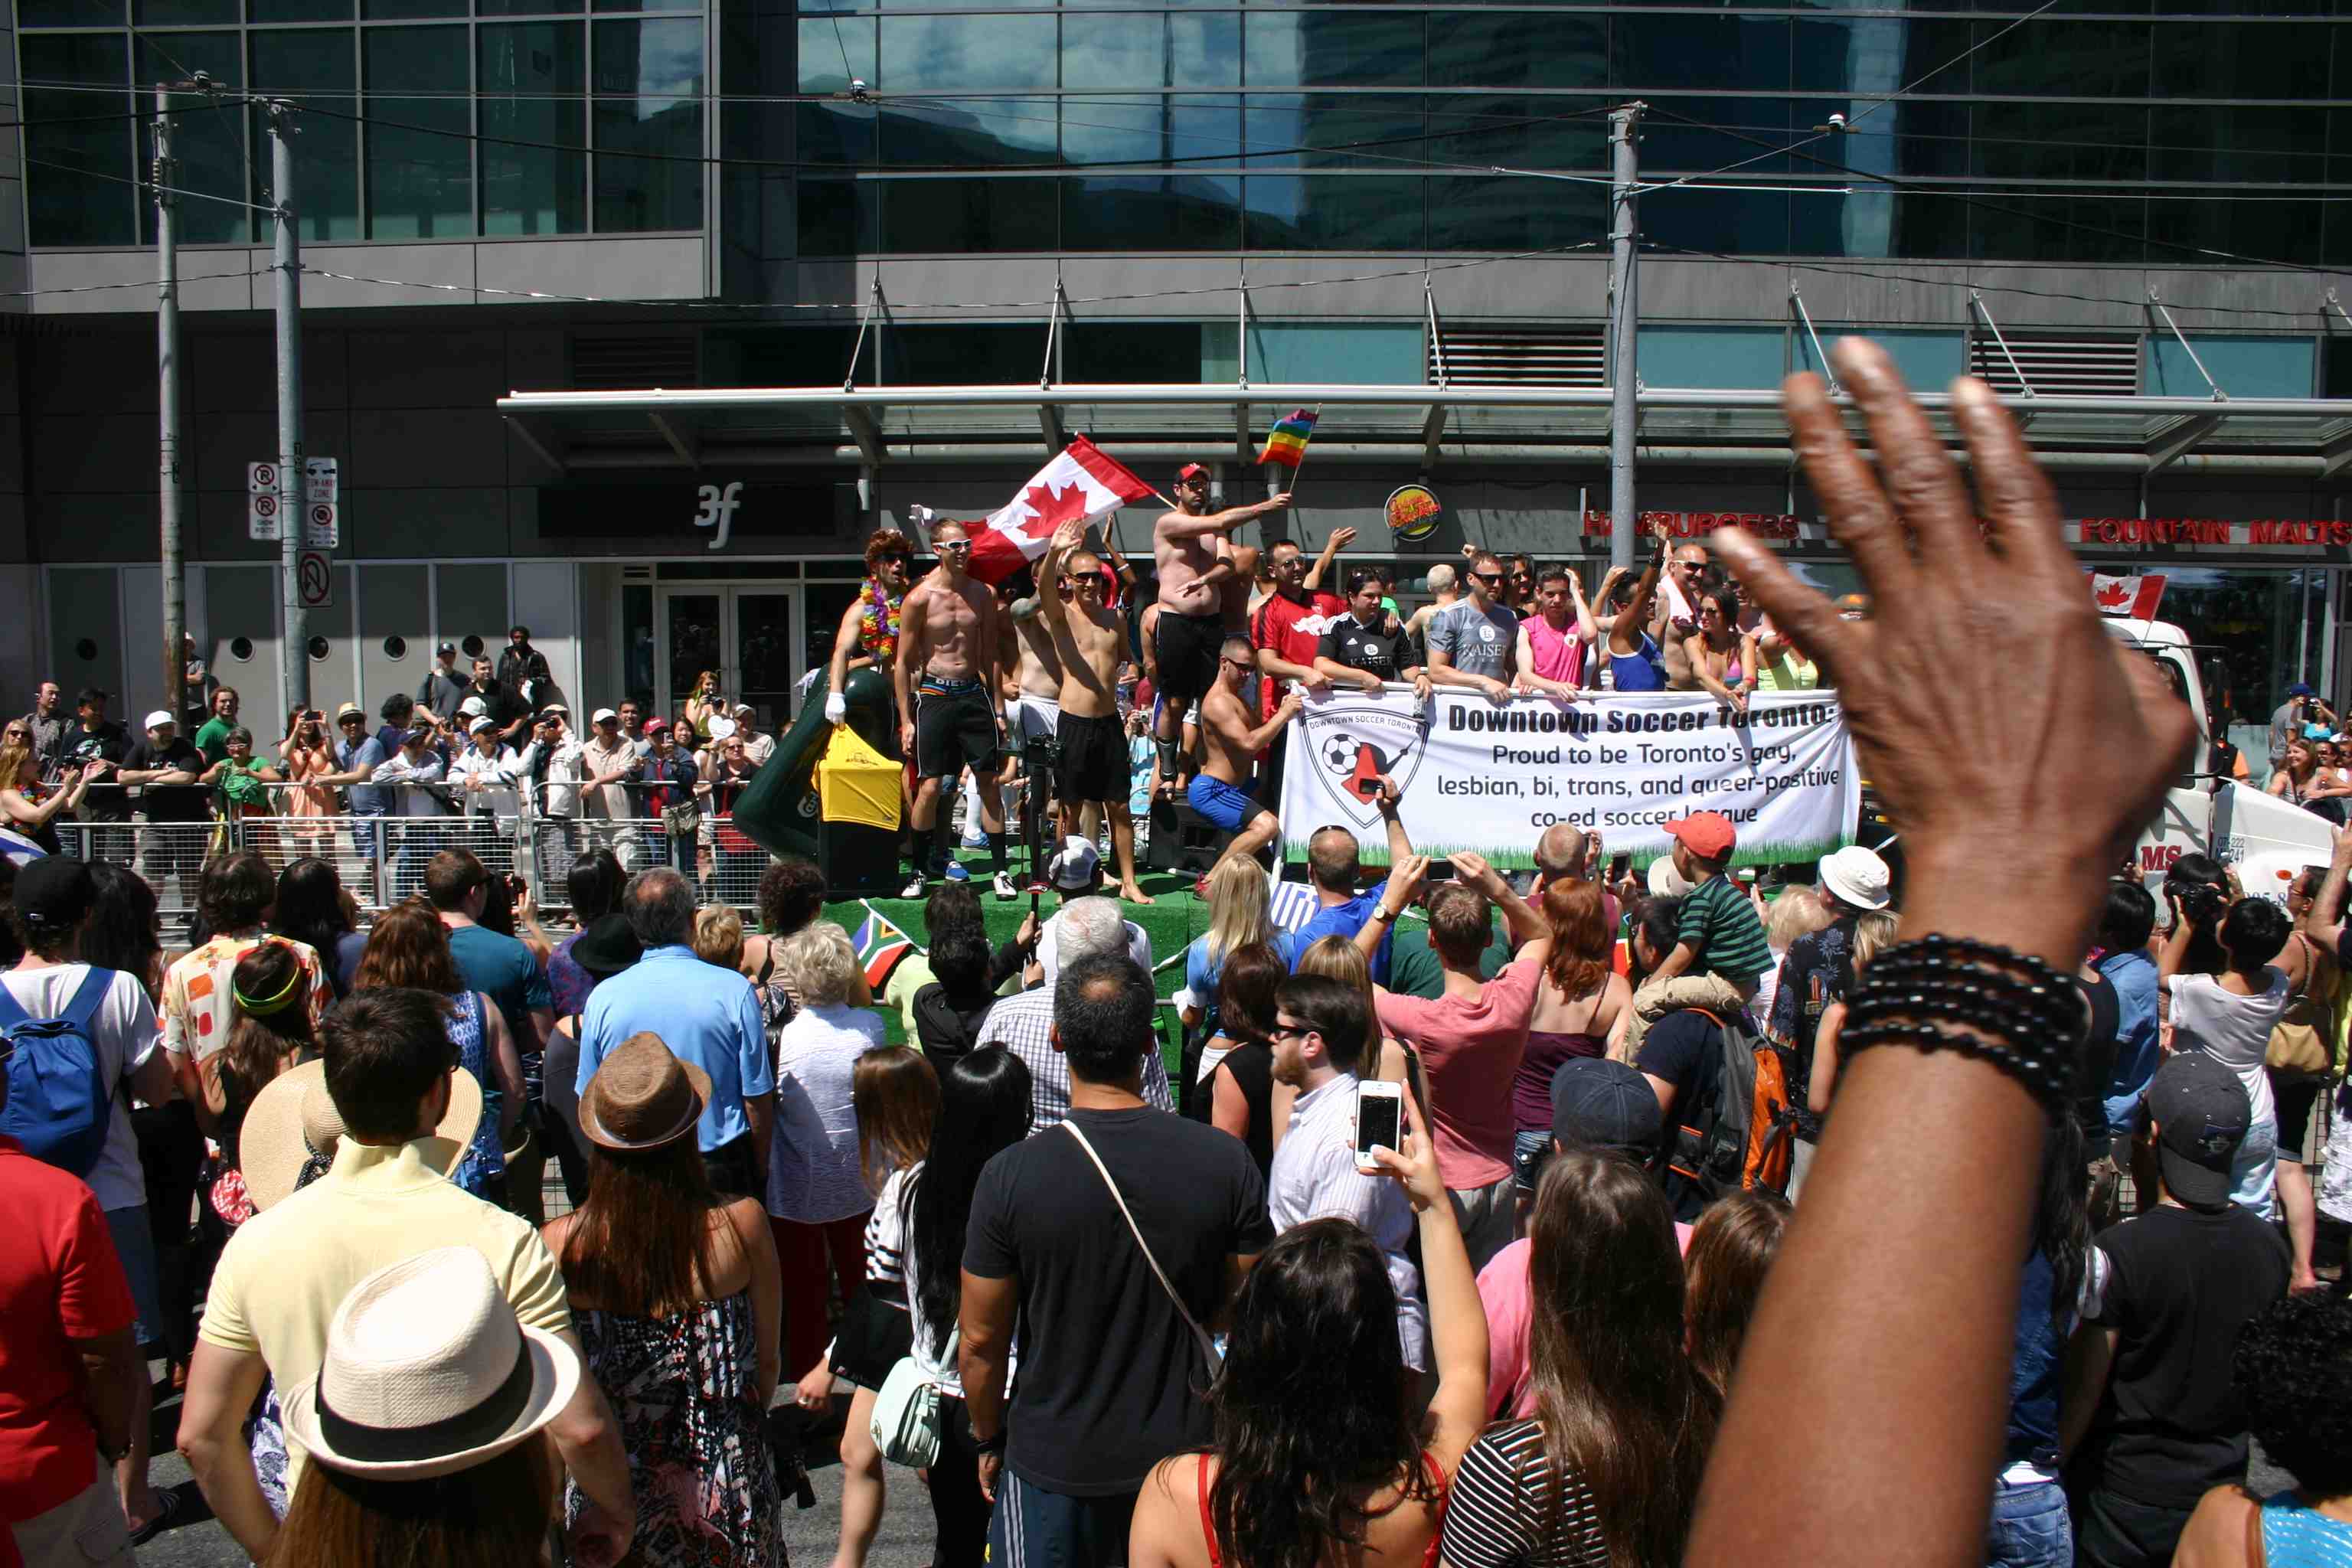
<point>1189,470</point>
<point>1705,833</point>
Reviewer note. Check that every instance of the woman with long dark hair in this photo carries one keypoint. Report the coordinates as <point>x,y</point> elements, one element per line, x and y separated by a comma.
<point>1322,1454</point>
<point>126,925</point>
<point>310,908</point>
<point>680,1305</point>
<point>1731,1250</point>
<point>410,948</point>
<point>1607,1470</point>
<point>984,1110</point>
<point>1722,659</point>
<point>2031,1527</point>
<point>1243,1098</point>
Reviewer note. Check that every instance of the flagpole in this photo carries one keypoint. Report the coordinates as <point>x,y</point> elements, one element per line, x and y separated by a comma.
<point>1293,486</point>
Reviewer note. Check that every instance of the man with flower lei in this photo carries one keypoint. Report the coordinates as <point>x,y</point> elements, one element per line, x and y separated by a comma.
<point>868,634</point>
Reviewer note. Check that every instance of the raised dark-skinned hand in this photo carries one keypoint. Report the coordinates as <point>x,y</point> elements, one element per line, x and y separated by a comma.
<point>2022,747</point>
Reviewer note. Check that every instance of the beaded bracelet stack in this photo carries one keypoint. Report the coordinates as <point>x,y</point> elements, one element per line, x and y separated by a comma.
<point>1941,993</point>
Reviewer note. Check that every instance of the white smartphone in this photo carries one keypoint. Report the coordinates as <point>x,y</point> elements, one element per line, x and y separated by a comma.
<point>1380,1121</point>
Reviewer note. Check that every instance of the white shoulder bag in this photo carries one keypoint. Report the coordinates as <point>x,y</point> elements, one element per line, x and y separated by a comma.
<point>1208,1346</point>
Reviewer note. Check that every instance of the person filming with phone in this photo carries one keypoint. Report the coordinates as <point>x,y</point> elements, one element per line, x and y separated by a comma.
<point>1324,1166</point>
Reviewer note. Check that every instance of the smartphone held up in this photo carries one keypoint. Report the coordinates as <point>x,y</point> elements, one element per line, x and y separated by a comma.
<point>1380,1121</point>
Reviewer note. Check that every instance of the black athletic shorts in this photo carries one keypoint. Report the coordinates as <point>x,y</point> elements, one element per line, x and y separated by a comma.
<point>955,724</point>
<point>1093,764</point>
<point>1187,648</point>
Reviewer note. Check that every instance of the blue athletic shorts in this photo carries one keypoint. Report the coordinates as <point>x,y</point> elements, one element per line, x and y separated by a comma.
<point>1227,805</point>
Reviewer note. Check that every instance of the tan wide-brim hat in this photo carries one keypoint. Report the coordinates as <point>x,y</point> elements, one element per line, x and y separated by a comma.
<point>427,1371</point>
<point>293,1121</point>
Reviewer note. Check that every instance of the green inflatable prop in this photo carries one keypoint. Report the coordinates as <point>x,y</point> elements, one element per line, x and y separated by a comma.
<point>779,810</point>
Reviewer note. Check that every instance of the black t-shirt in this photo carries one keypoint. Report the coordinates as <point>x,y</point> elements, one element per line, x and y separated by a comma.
<point>1685,1049</point>
<point>170,802</point>
<point>1367,648</point>
<point>2100,1047</point>
<point>2181,1284</point>
<point>105,801</point>
<point>1110,1379</point>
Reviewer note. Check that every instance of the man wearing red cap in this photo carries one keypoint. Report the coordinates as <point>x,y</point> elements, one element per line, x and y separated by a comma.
<point>1719,934</point>
<point>1194,554</point>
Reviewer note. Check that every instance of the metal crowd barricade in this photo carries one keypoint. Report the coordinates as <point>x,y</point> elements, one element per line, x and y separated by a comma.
<point>381,859</point>
<point>170,855</point>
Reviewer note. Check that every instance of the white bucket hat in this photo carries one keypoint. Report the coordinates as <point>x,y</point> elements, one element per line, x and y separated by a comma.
<point>427,1372</point>
<point>1857,878</point>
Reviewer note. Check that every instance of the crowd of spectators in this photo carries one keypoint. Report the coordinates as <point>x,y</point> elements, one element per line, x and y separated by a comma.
<point>1567,1313</point>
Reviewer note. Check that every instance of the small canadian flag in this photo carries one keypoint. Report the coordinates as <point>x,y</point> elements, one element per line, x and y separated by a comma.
<point>2134,597</point>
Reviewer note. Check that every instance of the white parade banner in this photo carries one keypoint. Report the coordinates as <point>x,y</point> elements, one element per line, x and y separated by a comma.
<point>1490,776</point>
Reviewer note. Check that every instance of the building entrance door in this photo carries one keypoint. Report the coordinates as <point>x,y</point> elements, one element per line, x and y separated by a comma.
<point>748,633</point>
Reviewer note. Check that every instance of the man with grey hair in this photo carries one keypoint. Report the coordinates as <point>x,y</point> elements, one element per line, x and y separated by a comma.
<point>705,1015</point>
<point>1024,1024</point>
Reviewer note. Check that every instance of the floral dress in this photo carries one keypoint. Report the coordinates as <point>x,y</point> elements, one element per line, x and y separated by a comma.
<point>699,1460</point>
<point>483,1171</point>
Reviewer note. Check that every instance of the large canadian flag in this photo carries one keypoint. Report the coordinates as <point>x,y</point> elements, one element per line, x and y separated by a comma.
<point>1080,482</point>
<point>2135,597</point>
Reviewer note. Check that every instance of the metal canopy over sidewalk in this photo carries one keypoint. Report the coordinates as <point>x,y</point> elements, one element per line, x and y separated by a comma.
<point>877,426</point>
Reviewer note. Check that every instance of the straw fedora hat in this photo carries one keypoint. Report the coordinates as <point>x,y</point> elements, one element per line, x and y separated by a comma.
<point>293,1121</point>
<point>426,1372</point>
<point>642,1097</point>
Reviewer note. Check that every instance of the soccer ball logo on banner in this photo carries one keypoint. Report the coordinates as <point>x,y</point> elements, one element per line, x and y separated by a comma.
<point>1353,744</point>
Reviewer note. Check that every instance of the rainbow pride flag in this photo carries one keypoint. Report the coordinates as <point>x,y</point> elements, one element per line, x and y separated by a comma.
<point>1287,442</point>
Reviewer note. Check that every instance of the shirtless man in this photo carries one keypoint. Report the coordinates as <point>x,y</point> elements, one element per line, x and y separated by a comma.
<point>1675,615</point>
<point>949,657</point>
<point>1204,594</point>
<point>1032,692</point>
<point>1090,644</point>
<point>1223,790</point>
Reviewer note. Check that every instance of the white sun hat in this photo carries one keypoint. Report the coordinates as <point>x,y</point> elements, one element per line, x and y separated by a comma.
<point>427,1372</point>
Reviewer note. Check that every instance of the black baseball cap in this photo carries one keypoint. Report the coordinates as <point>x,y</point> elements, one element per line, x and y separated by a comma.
<point>2202,1113</point>
<point>55,893</point>
<point>1605,1106</point>
<point>446,647</point>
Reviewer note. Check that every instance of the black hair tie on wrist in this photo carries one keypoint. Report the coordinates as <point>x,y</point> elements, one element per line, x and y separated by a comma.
<point>1981,1000</point>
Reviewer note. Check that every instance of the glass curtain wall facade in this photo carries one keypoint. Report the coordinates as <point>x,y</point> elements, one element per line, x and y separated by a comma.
<point>2071,137</point>
<point>421,120</point>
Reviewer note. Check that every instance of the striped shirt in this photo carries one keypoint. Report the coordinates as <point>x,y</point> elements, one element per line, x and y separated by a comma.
<point>1024,1024</point>
<point>886,1234</point>
<point>1495,1514</point>
<point>1724,935</point>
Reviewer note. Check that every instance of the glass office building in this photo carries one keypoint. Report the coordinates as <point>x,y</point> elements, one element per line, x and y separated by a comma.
<point>2130,203</point>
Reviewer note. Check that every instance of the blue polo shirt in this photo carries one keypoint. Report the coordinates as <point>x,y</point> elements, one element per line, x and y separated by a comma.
<point>1346,920</point>
<point>705,1015</point>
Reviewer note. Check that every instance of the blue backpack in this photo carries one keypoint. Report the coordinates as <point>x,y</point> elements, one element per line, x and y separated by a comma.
<point>58,1102</point>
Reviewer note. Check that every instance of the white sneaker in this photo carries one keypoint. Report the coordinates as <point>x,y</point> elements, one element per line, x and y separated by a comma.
<point>914,888</point>
<point>1004,886</point>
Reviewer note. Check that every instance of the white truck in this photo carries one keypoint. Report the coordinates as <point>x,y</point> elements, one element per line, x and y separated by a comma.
<point>2267,838</point>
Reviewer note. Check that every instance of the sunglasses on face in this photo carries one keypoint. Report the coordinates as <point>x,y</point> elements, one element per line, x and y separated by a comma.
<point>945,545</point>
<point>1290,1031</point>
<point>1238,664</point>
<point>1489,577</point>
